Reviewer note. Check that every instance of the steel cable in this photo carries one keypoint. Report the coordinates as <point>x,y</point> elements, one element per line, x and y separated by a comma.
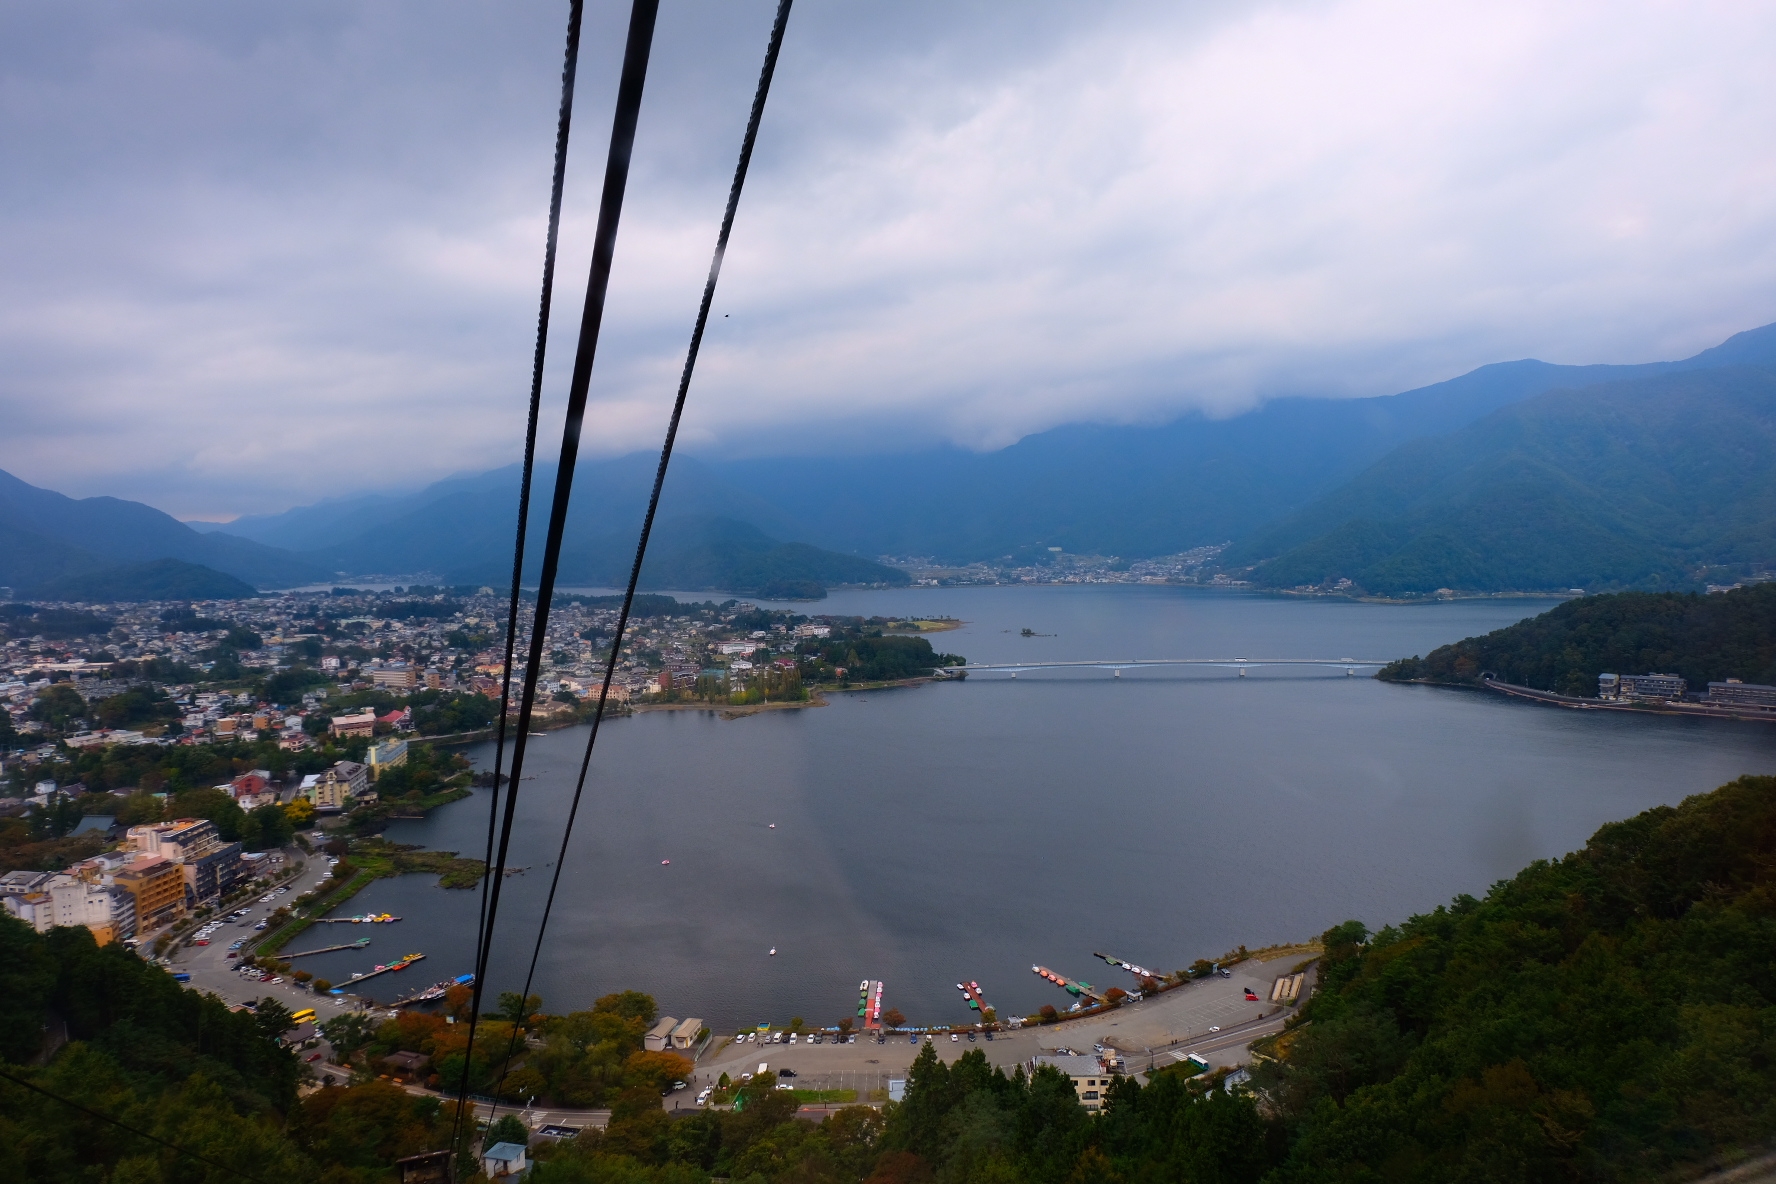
<point>636,50</point>
<point>760,94</point>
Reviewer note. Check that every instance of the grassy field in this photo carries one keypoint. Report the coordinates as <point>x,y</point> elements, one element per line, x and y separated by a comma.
<point>824,1095</point>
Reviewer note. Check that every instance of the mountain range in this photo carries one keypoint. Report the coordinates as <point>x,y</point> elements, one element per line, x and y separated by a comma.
<point>1518,475</point>
<point>1635,484</point>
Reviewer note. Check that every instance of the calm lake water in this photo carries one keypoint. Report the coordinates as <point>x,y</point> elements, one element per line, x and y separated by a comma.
<point>966,830</point>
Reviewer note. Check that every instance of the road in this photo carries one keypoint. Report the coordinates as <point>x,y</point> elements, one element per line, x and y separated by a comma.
<point>212,970</point>
<point>1210,1017</point>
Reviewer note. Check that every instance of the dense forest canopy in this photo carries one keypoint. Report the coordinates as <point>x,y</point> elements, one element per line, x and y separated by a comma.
<point>1703,638</point>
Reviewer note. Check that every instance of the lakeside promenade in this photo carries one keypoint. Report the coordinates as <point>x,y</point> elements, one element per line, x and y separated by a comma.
<point>1153,1033</point>
<point>1637,707</point>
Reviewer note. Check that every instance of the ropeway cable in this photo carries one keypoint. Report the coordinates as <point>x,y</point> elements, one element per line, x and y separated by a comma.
<point>121,1125</point>
<point>564,119</point>
<point>636,49</point>
<point>760,94</point>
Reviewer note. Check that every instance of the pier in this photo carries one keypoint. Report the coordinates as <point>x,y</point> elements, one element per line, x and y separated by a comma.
<point>403,964</point>
<point>1071,986</point>
<point>350,945</point>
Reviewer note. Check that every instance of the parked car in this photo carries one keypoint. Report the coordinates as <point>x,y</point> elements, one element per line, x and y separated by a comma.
<point>787,1073</point>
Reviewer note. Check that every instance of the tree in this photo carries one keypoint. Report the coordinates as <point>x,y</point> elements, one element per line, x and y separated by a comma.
<point>300,812</point>
<point>348,1032</point>
<point>518,1010</point>
<point>654,1069</point>
<point>273,1017</point>
<point>893,1018</point>
<point>844,1024</point>
<point>457,999</point>
<point>57,706</point>
<point>507,1129</point>
<point>138,809</point>
<point>1115,995</point>
<point>1048,1013</point>
<point>322,986</point>
<point>214,804</point>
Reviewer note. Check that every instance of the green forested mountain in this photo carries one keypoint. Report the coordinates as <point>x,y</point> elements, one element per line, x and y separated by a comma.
<point>1606,1016</point>
<point>45,535</point>
<point>1645,483</point>
<point>158,579</point>
<point>1112,489</point>
<point>713,554</point>
<point>1703,638</point>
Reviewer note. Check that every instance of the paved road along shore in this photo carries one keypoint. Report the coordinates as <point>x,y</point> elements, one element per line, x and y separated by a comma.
<point>1154,1032</point>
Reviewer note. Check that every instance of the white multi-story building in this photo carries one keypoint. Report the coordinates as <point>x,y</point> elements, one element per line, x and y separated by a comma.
<point>69,902</point>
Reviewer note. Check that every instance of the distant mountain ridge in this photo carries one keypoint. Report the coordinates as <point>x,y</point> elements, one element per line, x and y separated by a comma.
<point>47,536</point>
<point>1468,483</point>
<point>1641,483</point>
<point>1130,491</point>
<point>158,579</point>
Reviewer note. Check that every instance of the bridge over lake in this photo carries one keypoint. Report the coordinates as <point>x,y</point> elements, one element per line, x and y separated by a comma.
<point>1350,666</point>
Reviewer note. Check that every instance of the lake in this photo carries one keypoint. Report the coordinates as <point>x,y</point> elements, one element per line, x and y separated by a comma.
<point>965,830</point>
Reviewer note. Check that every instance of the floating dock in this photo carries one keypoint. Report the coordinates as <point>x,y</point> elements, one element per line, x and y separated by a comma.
<point>436,991</point>
<point>1071,986</point>
<point>361,919</point>
<point>402,964</point>
<point>971,992</point>
<point>869,1004</point>
<point>350,945</point>
<point>1137,971</point>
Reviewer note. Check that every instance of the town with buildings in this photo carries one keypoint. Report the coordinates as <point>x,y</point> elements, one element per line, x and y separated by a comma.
<point>1056,565</point>
<point>272,712</point>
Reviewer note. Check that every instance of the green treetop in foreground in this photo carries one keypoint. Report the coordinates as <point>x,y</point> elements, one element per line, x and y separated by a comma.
<point>1606,1016</point>
<point>1702,638</point>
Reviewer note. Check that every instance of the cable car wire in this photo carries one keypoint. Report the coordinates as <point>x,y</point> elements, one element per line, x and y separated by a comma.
<point>564,121</point>
<point>121,1125</point>
<point>636,50</point>
<point>760,94</point>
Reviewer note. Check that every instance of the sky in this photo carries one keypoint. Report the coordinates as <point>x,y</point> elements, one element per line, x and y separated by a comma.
<point>259,255</point>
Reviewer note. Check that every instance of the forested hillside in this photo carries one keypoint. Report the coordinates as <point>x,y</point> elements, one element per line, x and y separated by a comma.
<point>1649,483</point>
<point>1703,638</point>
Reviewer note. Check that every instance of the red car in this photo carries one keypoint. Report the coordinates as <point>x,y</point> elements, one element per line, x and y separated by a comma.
<point>1251,995</point>
<point>314,1056</point>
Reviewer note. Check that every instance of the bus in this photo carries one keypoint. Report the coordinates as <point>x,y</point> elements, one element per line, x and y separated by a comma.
<point>305,1016</point>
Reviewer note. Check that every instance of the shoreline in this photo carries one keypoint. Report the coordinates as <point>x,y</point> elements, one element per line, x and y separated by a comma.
<point>1574,703</point>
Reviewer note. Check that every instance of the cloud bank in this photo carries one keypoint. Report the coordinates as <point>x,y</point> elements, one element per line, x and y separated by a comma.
<point>257,257</point>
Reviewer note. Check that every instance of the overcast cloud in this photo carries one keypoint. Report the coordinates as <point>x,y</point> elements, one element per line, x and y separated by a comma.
<point>258,255</point>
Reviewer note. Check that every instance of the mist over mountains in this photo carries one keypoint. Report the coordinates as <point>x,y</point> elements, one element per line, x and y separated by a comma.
<point>1516,476</point>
